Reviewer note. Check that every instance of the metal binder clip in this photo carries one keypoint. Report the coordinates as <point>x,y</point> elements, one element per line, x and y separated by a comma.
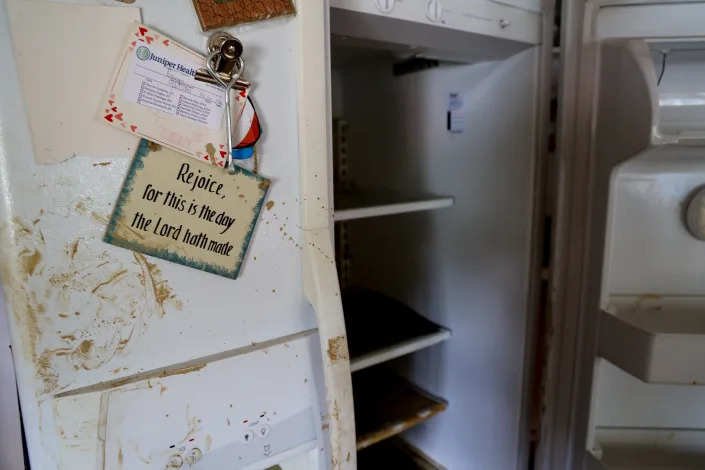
<point>224,66</point>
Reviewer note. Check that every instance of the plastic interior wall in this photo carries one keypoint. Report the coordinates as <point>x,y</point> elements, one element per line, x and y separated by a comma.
<point>464,267</point>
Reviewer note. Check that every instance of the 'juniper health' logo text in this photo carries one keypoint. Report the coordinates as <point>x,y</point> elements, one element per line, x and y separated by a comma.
<point>144,53</point>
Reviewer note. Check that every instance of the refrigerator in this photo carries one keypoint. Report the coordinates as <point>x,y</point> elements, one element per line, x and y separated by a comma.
<point>479,248</point>
<point>624,371</point>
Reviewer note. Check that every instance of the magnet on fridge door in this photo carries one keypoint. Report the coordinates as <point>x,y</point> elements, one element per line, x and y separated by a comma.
<point>214,14</point>
<point>249,130</point>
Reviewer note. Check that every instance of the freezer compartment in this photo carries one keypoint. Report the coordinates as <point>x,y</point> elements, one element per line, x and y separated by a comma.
<point>652,449</point>
<point>657,339</point>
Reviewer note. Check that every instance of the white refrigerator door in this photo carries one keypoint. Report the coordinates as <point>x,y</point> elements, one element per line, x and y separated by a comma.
<point>130,361</point>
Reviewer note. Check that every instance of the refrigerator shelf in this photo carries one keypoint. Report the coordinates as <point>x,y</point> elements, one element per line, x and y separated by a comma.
<point>361,204</point>
<point>386,405</point>
<point>396,329</point>
<point>654,338</point>
<point>395,453</point>
<point>647,449</point>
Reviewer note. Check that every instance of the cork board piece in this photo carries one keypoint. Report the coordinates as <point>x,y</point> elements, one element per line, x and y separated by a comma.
<point>214,14</point>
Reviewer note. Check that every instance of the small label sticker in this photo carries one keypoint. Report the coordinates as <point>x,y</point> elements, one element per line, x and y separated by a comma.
<point>457,113</point>
<point>187,212</point>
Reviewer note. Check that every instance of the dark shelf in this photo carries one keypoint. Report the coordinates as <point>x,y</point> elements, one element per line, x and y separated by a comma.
<point>395,454</point>
<point>386,405</point>
<point>380,328</point>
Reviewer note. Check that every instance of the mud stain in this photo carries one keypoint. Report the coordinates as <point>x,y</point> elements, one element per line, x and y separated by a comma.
<point>338,348</point>
<point>208,442</point>
<point>151,280</point>
<point>46,371</point>
<point>646,302</point>
<point>269,205</point>
<point>32,327</point>
<point>192,423</point>
<point>102,164</point>
<point>117,302</point>
<point>85,347</point>
<point>30,262</point>
<point>73,249</point>
<point>120,458</point>
<point>112,279</point>
<point>185,370</point>
<point>21,227</point>
<point>153,146</point>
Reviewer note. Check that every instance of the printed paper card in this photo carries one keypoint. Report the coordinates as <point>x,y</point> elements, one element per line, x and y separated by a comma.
<point>183,211</point>
<point>153,94</point>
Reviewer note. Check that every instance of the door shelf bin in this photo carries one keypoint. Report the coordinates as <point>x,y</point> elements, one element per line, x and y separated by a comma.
<point>656,339</point>
<point>647,449</point>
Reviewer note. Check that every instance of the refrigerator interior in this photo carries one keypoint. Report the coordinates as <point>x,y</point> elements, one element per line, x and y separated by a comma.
<point>434,225</point>
<point>646,405</point>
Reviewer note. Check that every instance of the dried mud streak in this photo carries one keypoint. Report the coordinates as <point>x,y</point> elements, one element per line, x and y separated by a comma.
<point>74,249</point>
<point>192,425</point>
<point>25,307</point>
<point>85,347</point>
<point>110,280</point>
<point>150,275</point>
<point>184,370</point>
<point>22,227</point>
<point>153,146</point>
<point>30,262</point>
<point>30,319</point>
<point>46,372</point>
<point>337,349</point>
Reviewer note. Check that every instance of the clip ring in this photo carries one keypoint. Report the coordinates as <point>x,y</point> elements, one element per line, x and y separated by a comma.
<point>240,66</point>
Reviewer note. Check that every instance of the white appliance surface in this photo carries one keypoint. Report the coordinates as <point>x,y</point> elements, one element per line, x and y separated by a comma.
<point>647,395</point>
<point>477,16</point>
<point>86,313</point>
<point>221,416</point>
